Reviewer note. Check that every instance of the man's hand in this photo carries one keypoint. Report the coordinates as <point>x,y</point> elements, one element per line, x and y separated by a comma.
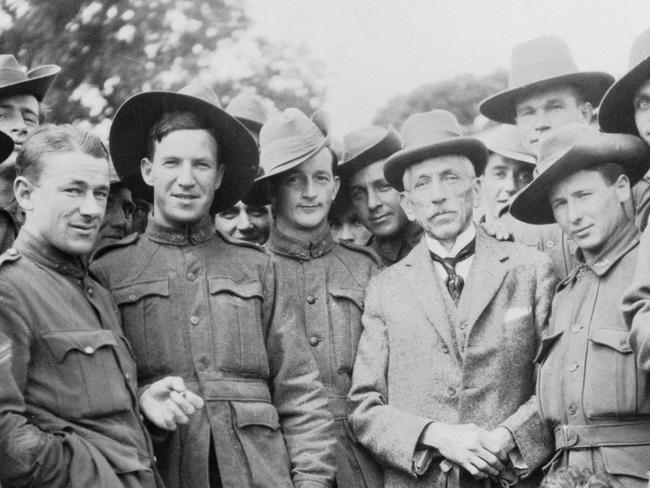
<point>499,442</point>
<point>497,229</point>
<point>462,445</point>
<point>167,403</point>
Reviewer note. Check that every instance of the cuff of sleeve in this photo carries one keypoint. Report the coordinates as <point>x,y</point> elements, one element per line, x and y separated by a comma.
<point>311,484</point>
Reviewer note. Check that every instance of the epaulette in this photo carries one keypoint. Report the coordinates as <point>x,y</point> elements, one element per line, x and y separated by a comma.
<point>109,246</point>
<point>9,255</point>
<point>367,250</point>
<point>239,242</point>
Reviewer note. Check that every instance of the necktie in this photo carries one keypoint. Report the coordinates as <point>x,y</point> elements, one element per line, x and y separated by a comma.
<point>454,282</point>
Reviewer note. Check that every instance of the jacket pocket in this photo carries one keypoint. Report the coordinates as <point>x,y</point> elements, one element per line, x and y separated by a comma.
<point>548,386</point>
<point>627,461</point>
<point>150,325</point>
<point>86,378</point>
<point>611,377</point>
<point>346,308</point>
<point>546,346</point>
<point>257,426</point>
<point>236,312</point>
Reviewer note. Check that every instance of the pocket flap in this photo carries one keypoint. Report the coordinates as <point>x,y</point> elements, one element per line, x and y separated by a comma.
<point>627,460</point>
<point>133,293</point>
<point>355,295</point>
<point>86,341</point>
<point>615,338</point>
<point>545,346</point>
<point>248,289</point>
<point>256,413</point>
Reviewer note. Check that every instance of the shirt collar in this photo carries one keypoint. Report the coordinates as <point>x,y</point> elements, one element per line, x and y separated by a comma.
<point>462,240</point>
<point>281,243</point>
<point>44,253</point>
<point>187,235</point>
<point>614,249</point>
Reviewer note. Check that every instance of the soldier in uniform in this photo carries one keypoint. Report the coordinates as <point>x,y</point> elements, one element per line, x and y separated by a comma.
<point>377,203</point>
<point>21,94</point>
<point>203,307</point>
<point>591,387</point>
<point>324,280</point>
<point>345,223</point>
<point>118,220</point>
<point>69,415</point>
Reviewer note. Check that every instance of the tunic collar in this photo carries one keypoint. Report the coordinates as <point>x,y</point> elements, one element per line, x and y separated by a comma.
<point>188,235</point>
<point>617,247</point>
<point>281,243</point>
<point>394,249</point>
<point>45,254</point>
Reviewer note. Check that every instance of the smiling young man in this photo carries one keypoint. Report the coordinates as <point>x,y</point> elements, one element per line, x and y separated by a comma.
<point>323,280</point>
<point>207,309</point>
<point>21,94</point>
<point>591,386</point>
<point>75,419</point>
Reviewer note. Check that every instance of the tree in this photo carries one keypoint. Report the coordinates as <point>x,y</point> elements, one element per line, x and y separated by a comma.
<point>460,95</point>
<point>111,49</point>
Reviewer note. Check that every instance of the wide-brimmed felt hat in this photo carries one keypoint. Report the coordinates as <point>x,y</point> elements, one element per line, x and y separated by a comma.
<point>569,149</point>
<point>504,140</point>
<point>541,63</point>
<point>287,140</point>
<point>249,110</point>
<point>617,109</point>
<point>6,146</point>
<point>366,146</point>
<point>14,80</point>
<point>129,135</point>
<point>429,135</point>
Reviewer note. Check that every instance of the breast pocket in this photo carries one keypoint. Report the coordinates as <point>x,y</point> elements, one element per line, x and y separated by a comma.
<point>550,369</point>
<point>150,326</point>
<point>87,380</point>
<point>611,375</point>
<point>236,311</point>
<point>346,307</point>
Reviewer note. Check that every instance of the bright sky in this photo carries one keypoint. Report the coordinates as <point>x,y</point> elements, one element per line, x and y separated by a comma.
<point>375,49</point>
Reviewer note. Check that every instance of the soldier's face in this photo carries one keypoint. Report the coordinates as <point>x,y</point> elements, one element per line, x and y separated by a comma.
<point>542,111</point>
<point>589,209</point>
<point>303,196</point>
<point>118,220</point>
<point>19,116</point>
<point>503,177</point>
<point>65,207</point>
<point>642,111</point>
<point>347,227</point>
<point>184,174</point>
<point>440,194</point>
<point>376,202</point>
<point>246,222</point>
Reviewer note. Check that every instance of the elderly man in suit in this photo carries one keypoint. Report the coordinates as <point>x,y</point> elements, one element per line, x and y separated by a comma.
<point>444,372</point>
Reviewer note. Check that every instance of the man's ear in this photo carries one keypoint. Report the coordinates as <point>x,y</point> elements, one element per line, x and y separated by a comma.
<point>24,192</point>
<point>407,206</point>
<point>477,185</point>
<point>221,169</point>
<point>587,111</point>
<point>145,169</point>
<point>623,188</point>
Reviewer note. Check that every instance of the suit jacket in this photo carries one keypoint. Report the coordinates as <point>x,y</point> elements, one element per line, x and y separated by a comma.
<point>410,369</point>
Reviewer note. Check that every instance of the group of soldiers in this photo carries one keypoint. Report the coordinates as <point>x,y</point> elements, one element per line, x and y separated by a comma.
<point>229,298</point>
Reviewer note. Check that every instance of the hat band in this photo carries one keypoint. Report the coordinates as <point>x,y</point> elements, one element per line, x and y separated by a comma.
<point>287,150</point>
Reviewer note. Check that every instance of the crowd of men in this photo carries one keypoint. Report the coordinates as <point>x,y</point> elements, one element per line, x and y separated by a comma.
<point>229,298</point>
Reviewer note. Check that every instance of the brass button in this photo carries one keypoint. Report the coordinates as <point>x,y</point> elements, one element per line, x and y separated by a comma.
<point>127,376</point>
<point>191,276</point>
<point>576,328</point>
<point>314,340</point>
<point>573,366</point>
<point>550,244</point>
<point>572,409</point>
<point>451,391</point>
<point>463,325</point>
<point>445,349</point>
<point>12,252</point>
<point>194,320</point>
<point>132,298</point>
<point>311,299</point>
<point>90,291</point>
<point>89,350</point>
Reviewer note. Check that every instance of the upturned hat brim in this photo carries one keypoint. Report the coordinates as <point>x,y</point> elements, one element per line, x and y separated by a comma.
<point>617,108</point>
<point>6,146</point>
<point>470,147</point>
<point>501,106</point>
<point>532,204</point>
<point>39,81</point>
<point>130,131</point>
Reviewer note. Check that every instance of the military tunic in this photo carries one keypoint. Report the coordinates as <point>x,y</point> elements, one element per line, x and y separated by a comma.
<point>198,306</point>
<point>11,220</point>
<point>326,282</point>
<point>393,250</point>
<point>73,418</point>
<point>589,385</point>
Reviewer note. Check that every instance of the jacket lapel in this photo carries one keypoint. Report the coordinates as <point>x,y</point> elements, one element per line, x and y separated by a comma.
<point>427,289</point>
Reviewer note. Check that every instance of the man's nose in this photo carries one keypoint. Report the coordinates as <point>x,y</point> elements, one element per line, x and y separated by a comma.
<point>374,201</point>
<point>244,221</point>
<point>91,206</point>
<point>185,175</point>
<point>346,235</point>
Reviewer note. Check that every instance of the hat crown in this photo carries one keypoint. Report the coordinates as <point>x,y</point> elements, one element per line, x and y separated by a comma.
<point>640,49</point>
<point>560,141</point>
<point>540,59</point>
<point>504,139</point>
<point>249,107</point>
<point>198,90</point>
<point>429,128</point>
<point>357,142</point>
<point>9,62</point>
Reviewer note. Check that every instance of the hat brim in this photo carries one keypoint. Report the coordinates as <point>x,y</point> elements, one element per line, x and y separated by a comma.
<point>39,82</point>
<point>470,147</point>
<point>617,108</point>
<point>381,150</point>
<point>130,131</point>
<point>501,106</point>
<point>6,146</point>
<point>532,204</point>
<point>518,156</point>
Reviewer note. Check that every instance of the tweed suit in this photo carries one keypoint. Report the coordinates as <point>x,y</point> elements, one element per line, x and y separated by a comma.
<point>411,371</point>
